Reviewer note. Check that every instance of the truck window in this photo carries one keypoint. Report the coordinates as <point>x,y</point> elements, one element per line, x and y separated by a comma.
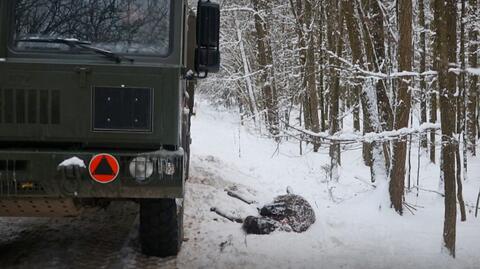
<point>119,26</point>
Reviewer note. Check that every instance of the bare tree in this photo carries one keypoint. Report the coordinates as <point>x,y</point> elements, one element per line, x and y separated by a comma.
<point>472,92</point>
<point>423,67</point>
<point>445,13</point>
<point>335,45</point>
<point>265,62</point>
<point>402,111</point>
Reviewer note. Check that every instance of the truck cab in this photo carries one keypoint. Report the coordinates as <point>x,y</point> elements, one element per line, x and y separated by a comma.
<point>95,106</point>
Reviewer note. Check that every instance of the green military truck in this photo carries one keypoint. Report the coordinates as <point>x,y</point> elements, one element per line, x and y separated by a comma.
<point>95,102</point>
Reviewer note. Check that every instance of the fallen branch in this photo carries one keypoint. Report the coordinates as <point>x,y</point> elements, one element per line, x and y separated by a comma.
<point>225,215</point>
<point>422,189</point>
<point>239,197</point>
<point>409,208</point>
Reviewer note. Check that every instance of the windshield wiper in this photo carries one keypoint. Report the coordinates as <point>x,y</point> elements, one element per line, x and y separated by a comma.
<point>79,44</point>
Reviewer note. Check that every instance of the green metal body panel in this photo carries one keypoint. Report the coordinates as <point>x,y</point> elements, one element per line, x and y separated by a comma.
<point>74,84</point>
<point>42,168</point>
<point>67,130</point>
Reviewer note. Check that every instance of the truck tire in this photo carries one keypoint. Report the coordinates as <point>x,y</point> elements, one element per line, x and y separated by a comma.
<point>161,227</point>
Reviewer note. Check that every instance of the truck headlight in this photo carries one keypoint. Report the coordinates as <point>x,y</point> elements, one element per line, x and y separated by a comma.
<point>141,168</point>
<point>169,169</point>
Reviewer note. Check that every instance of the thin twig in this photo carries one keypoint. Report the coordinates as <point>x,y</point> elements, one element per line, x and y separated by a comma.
<point>422,189</point>
<point>408,208</point>
<point>225,215</point>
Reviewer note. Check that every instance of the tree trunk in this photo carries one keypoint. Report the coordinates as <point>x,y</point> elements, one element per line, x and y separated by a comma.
<point>356,47</point>
<point>444,28</point>
<point>335,44</point>
<point>310,71</point>
<point>461,202</point>
<point>423,63</point>
<point>461,105</point>
<point>369,106</point>
<point>472,92</point>
<point>402,112</point>
<point>436,25</point>
<point>320,42</point>
<point>297,11</point>
<point>461,77</point>
<point>246,70</point>
<point>374,40</point>
<point>305,16</point>
<point>265,64</point>
<point>378,34</point>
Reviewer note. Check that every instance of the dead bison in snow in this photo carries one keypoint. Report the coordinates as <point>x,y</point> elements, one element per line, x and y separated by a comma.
<point>287,212</point>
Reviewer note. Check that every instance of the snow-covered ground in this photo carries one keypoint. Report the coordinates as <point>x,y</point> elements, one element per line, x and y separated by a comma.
<point>353,229</point>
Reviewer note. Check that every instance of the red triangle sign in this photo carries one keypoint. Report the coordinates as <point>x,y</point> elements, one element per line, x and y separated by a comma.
<point>104,168</point>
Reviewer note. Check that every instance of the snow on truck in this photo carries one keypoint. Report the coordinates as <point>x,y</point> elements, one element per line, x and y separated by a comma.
<point>95,106</point>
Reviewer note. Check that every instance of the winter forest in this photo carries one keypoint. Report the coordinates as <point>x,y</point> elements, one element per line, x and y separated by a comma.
<point>336,134</point>
<point>391,77</point>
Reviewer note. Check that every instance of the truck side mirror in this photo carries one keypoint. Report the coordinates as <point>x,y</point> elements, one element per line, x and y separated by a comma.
<point>207,53</point>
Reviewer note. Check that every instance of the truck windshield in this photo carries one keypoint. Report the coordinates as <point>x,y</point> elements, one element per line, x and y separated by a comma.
<point>117,26</point>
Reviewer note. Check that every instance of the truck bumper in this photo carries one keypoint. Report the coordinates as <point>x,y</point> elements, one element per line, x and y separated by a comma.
<point>39,174</point>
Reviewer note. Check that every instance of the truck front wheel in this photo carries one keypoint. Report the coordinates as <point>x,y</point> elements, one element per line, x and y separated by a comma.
<point>160,227</point>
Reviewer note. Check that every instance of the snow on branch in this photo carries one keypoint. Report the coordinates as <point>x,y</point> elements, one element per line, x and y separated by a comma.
<point>355,137</point>
<point>473,71</point>
<point>380,75</point>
